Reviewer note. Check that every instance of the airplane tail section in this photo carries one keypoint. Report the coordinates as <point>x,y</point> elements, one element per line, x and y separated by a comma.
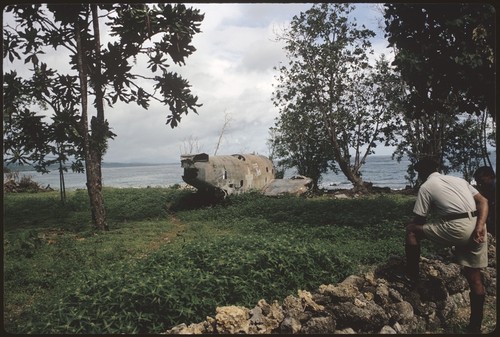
<point>296,185</point>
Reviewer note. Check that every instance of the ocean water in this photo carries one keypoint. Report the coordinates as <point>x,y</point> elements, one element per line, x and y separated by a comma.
<point>158,175</point>
<point>381,170</point>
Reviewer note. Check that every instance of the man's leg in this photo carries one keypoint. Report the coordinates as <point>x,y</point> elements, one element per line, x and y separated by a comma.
<point>414,234</point>
<point>477,295</point>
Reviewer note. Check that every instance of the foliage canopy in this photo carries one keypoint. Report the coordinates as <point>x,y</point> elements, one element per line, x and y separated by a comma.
<point>332,101</point>
<point>445,51</point>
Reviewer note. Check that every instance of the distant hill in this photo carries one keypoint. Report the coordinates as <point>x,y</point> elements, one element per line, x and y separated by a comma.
<point>17,168</point>
<point>111,164</point>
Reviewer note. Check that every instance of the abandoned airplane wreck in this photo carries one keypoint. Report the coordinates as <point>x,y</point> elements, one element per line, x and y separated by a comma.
<point>238,173</point>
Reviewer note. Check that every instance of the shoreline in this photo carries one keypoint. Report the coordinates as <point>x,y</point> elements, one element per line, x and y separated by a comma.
<point>372,191</point>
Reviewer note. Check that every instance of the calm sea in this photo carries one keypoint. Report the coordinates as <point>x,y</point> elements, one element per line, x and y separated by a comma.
<point>381,170</point>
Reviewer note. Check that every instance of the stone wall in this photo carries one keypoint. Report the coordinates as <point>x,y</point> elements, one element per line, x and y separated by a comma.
<point>370,303</point>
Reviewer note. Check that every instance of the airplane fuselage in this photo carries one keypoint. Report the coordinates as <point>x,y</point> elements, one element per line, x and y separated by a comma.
<point>229,174</point>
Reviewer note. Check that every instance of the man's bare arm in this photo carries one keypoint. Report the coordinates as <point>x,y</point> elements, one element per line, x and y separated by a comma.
<point>479,234</point>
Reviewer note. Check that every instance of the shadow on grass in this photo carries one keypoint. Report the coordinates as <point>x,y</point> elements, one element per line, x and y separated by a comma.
<point>193,201</point>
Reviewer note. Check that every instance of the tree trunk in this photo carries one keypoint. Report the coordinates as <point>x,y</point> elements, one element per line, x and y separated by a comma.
<point>62,185</point>
<point>98,126</point>
<point>92,161</point>
<point>94,189</point>
<point>359,186</point>
<point>483,138</point>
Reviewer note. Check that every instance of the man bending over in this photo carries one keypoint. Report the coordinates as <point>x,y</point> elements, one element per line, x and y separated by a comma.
<point>463,212</point>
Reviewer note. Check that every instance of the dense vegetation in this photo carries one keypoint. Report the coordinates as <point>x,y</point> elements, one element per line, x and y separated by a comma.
<point>169,258</point>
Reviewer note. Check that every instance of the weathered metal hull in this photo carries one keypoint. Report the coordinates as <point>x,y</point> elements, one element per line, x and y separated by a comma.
<point>296,185</point>
<point>234,174</point>
<point>231,174</point>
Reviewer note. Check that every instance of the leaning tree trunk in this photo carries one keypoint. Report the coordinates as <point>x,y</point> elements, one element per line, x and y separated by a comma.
<point>359,186</point>
<point>92,156</point>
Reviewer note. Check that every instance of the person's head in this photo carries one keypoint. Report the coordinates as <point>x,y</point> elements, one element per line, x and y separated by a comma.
<point>484,176</point>
<point>425,167</point>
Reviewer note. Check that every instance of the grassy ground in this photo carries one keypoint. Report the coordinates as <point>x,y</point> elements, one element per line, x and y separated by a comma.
<point>170,257</point>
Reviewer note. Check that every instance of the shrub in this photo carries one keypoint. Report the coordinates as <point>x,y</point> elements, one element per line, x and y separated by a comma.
<point>15,183</point>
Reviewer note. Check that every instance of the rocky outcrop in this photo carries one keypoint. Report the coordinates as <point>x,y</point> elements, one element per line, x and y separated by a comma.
<point>370,303</point>
<point>13,183</point>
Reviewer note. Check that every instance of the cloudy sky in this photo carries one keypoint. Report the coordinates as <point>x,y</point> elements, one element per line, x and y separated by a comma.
<point>232,74</point>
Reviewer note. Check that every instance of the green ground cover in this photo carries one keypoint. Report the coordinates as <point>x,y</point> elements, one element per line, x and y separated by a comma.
<point>169,257</point>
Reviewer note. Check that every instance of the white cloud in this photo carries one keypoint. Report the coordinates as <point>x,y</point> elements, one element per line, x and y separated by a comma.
<point>231,72</point>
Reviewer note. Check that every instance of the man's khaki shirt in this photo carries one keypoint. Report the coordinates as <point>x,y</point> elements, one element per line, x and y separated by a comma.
<point>444,195</point>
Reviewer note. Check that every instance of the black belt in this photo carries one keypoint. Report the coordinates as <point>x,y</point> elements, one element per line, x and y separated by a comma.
<point>458,216</point>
